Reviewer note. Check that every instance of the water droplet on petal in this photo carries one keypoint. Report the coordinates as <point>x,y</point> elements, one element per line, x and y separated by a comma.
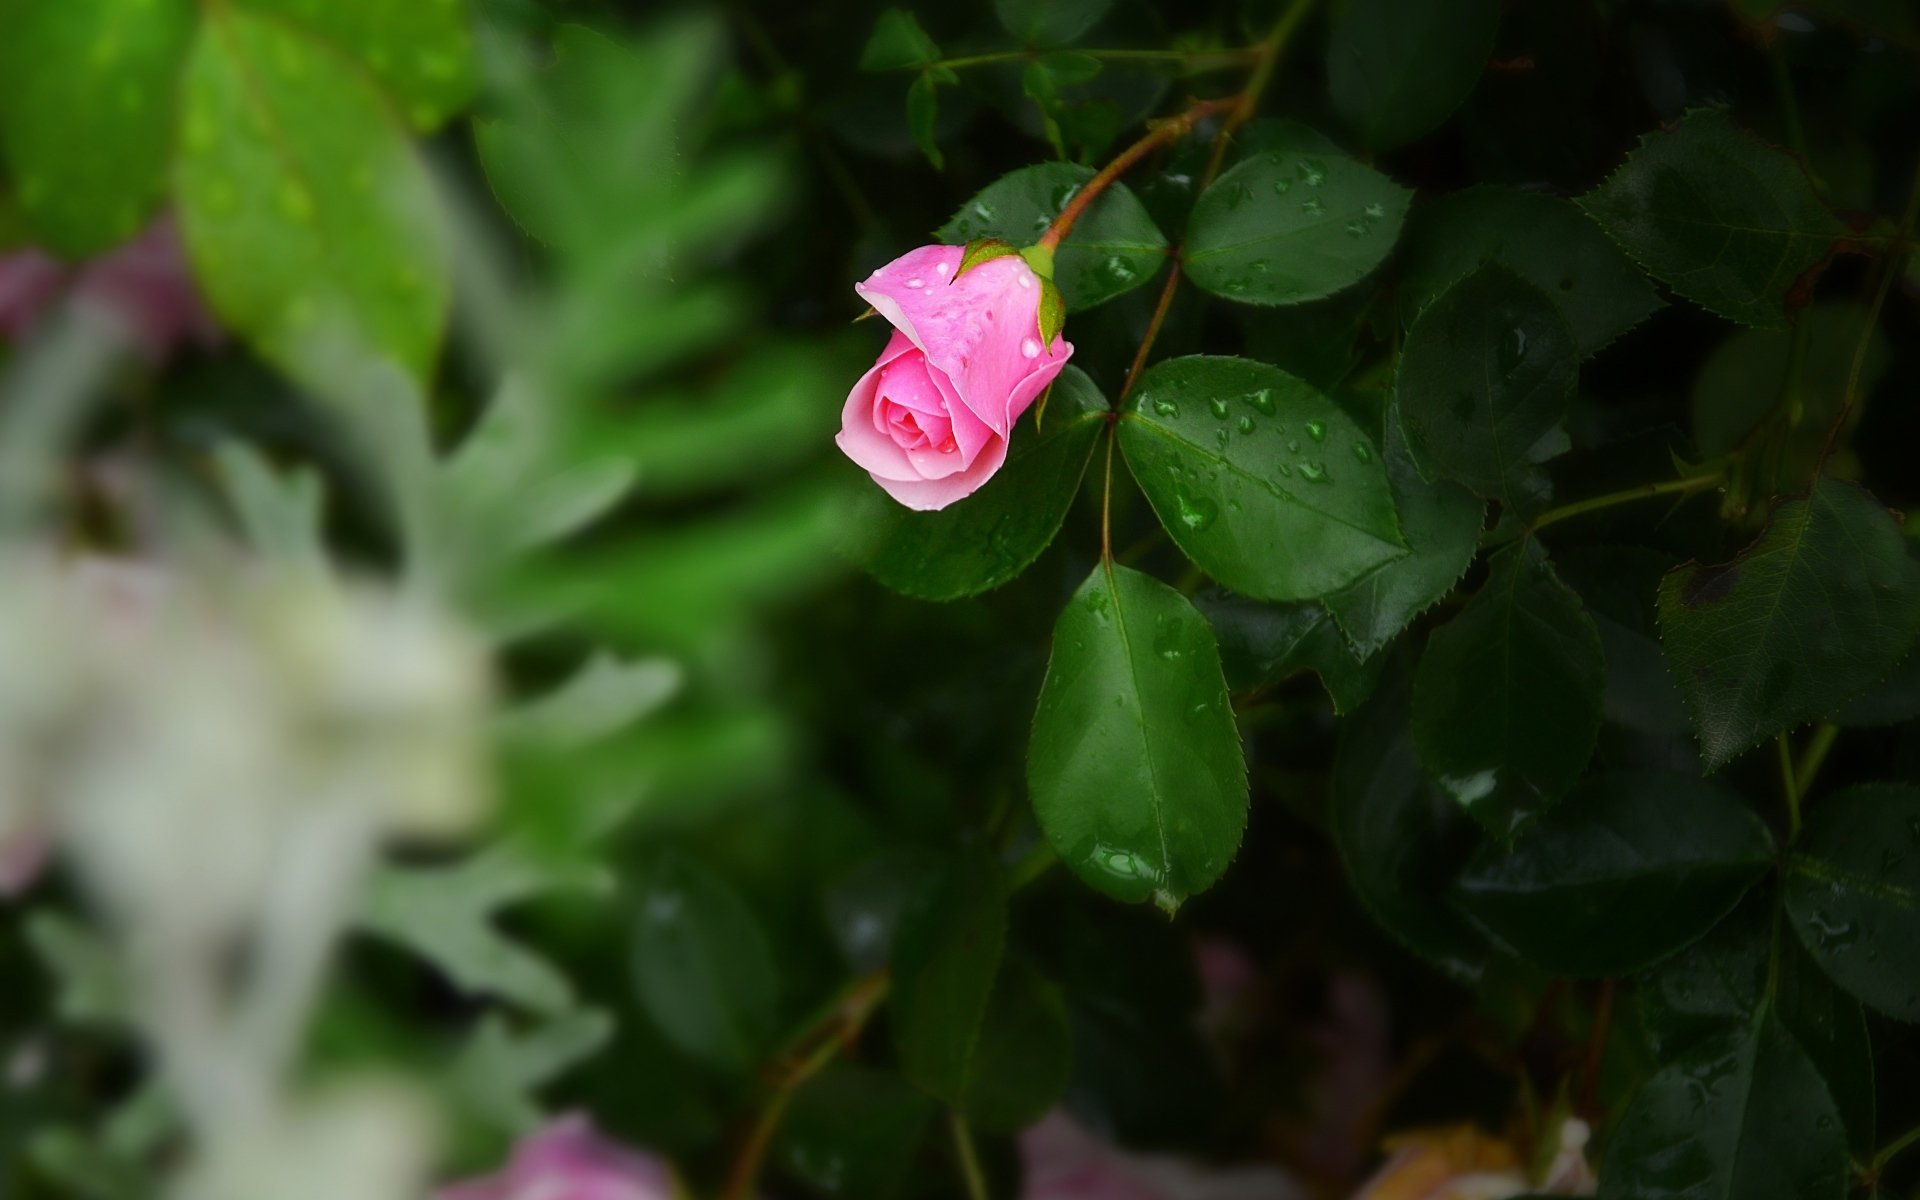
<point>943,270</point>
<point>1030,348</point>
<point>916,282</point>
<point>1025,278</point>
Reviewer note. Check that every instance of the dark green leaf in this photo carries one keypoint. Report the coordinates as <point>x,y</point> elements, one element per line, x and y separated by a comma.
<point>997,532</point>
<point>1266,483</point>
<point>702,966</point>
<point>897,41</point>
<point>1619,585</point>
<point>1753,373</point>
<point>1485,380</point>
<point>946,955</point>
<point>1832,1028</point>
<point>1288,226</point>
<point>1398,68</point>
<point>1725,220</point>
<point>312,225</point>
<point>1804,619</point>
<point>1049,22</point>
<point>1627,869</point>
<point>1023,1058</point>
<point>1401,840</point>
<point>1853,892</point>
<point>1711,988</point>
<point>853,1132</point>
<point>1114,247</point>
<point>1262,644</point>
<point>1506,702</point>
<point>1744,1117</point>
<point>1135,766</point>
<point>1545,240</point>
<point>1441,524</point>
<point>421,52</point>
<point>923,107</point>
<point>86,114</point>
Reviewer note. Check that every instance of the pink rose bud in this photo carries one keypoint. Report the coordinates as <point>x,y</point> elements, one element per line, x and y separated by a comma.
<point>930,421</point>
<point>568,1160</point>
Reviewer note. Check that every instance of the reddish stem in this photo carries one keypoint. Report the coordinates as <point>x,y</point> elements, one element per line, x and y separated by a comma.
<point>1162,133</point>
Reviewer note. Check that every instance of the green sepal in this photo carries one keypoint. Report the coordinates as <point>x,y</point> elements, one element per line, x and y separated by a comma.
<point>1053,312</point>
<point>983,250</point>
<point>1040,257</point>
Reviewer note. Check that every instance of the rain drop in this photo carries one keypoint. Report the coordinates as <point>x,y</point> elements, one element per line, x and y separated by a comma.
<point>1317,431</point>
<point>1283,186</point>
<point>1375,211</point>
<point>1166,408</point>
<point>943,270</point>
<point>1196,512</point>
<point>1030,348</point>
<point>1361,452</point>
<point>1246,424</point>
<point>1219,407</point>
<point>1262,400</point>
<point>1316,472</point>
<point>1312,206</point>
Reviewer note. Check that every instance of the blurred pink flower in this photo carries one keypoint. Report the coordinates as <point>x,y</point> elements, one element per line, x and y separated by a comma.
<point>1065,1162</point>
<point>23,853</point>
<point>569,1160</point>
<point>146,284</point>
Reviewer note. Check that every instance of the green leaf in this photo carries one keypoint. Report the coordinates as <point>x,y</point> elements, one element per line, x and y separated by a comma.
<point>1853,893</point>
<point>1506,701</point>
<point>997,532</point>
<point>1135,766</point>
<point>1288,226</point>
<point>1263,481</point>
<point>1545,240</point>
<point>421,52</point>
<point>853,1132</point>
<point>1113,248</point>
<point>1832,1028</point>
<point>1745,1117</point>
<point>1753,374</point>
<point>946,956</point>
<point>898,41</point>
<point>1261,644</point>
<point>1725,220</point>
<point>1049,22</point>
<point>1812,613</point>
<point>1398,68</point>
<point>1485,380</point>
<point>702,966</point>
<point>86,114</point>
<point>1627,869</point>
<point>501,1069</point>
<point>1401,840</point>
<point>1440,523</point>
<point>1619,585</point>
<point>981,251</point>
<point>1022,1059</point>
<point>923,108</point>
<point>312,225</point>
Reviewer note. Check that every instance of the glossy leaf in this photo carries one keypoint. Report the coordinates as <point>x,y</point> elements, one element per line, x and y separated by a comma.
<point>86,114</point>
<point>1627,869</point>
<point>702,965</point>
<point>946,956</point>
<point>1853,892</point>
<point>996,533</point>
<point>1743,1117</point>
<point>311,224</point>
<point>1486,377</point>
<point>1800,622</point>
<point>1135,766</point>
<point>1262,644</point>
<point>1506,701</point>
<point>1263,481</point>
<point>1113,248</point>
<point>1401,840</point>
<point>1398,68</point>
<point>1289,226</point>
<point>1545,240</point>
<point>1440,523</point>
<point>422,52</point>
<point>1725,220</point>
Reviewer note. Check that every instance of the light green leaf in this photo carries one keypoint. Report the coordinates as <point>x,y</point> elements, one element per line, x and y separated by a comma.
<point>87,93</point>
<point>1627,869</point>
<point>1398,68</point>
<point>1804,619</point>
<point>1135,766</point>
<point>996,533</point>
<point>1263,481</point>
<point>1440,523</point>
<point>311,223</point>
<point>1114,247</point>
<point>1506,702</point>
<point>1485,380</point>
<point>500,1068</point>
<point>1288,226</point>
<point>1545,240</point>
<point>1725,220</point>
<point>421,51</point>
